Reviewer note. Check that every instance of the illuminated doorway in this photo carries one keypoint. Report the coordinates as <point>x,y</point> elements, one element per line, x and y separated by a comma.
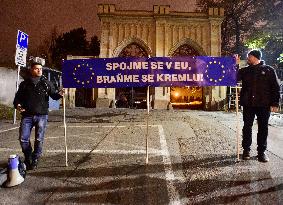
<point>133,97</point>
<point>189,96</point>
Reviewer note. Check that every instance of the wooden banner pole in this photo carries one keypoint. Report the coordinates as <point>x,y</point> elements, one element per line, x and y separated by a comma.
<point>238,124</point>
<point>65,129</point>
<point>147,118</point>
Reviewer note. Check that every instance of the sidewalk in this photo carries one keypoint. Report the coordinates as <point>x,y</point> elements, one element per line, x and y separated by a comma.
<point>192,160</point>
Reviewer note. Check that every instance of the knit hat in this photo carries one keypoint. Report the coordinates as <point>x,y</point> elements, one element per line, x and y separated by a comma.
<point>255,53</point>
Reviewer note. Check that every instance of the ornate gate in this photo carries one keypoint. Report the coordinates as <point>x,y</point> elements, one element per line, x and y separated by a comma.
<point>134,97</point>
<point>189,96</point>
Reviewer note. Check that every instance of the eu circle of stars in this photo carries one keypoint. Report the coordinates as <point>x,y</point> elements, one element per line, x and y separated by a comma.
<point>83,74</point>
<point>215,71</point>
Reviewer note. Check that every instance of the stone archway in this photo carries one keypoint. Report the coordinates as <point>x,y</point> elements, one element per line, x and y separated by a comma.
<point>189,96</point>
<point>135,96</point>
<point>133,50</point>
<point>160,32</point>
<point>185,50</point>
<point>186,47</point>
<point>135,47</point>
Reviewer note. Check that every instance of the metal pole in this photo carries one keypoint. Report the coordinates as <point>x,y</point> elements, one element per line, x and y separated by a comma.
<point>147,102</point>
<point>65,129</point>
<point>17,87</point>
<point>238,125</point>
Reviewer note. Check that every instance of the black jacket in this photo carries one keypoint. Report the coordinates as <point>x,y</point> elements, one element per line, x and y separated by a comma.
<point>260,86</point>
<point>34,98</point>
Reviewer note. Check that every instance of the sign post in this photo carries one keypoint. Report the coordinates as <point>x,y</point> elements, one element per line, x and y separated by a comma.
<point>238,125</point>
<point>21,49</point>
<point>20,58</point>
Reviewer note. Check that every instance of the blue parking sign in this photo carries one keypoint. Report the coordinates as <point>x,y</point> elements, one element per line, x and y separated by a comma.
<point>22,39</point>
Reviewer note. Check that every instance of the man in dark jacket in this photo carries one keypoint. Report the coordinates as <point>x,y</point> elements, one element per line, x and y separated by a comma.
<point>32,101</point>
<point>259,96</point>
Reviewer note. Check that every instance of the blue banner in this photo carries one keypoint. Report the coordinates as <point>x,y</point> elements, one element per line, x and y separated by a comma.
<point>155,72</point>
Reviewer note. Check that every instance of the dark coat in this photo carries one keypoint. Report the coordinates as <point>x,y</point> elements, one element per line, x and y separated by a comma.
<point>260,86</point>
<point>34,98</point>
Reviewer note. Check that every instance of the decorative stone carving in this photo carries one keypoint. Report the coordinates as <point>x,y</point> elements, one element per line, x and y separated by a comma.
<point>185,50</point>
<point>133,50</point>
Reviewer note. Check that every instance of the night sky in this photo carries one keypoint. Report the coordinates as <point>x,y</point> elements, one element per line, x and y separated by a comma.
<point>38,17</point>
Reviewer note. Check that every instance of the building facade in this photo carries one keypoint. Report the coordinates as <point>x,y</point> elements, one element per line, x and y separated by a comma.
<point>161,33</point>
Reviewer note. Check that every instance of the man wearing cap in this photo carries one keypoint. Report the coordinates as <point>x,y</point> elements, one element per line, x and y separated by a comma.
<point>32,100</point>
<point>259,96</point>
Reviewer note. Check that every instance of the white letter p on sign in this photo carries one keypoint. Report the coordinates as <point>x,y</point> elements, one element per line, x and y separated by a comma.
<point>23,37</point>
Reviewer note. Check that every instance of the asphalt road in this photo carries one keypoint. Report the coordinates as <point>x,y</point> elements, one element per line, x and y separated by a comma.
<point>275,140</point>
<point>191,160</point>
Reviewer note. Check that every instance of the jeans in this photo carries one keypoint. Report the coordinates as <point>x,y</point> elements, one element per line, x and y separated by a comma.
<point>27,123</point>
<point>263,114</point>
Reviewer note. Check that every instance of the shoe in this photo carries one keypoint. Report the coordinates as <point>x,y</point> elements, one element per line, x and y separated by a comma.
<point>246,155</point>
<point>28,164</point>
<point>34,164</point>
<point>262,157</point>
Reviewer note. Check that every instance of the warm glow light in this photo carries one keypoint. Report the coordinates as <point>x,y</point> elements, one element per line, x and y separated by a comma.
<point>176,94</point>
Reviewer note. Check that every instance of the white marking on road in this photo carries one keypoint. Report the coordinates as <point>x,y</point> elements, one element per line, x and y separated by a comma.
<point>86,126</point>
<point>145,125</point>
<point>169,174</point>
<point>78,135</point>
<point>153,152</point>
<point>94,126</point>
<point>1,131</point>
